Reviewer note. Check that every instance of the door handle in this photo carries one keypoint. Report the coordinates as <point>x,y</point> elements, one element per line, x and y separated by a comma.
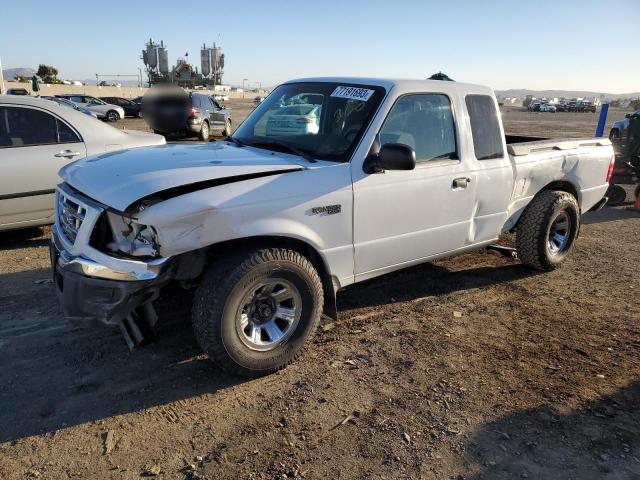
<point>461,182</point>
<point>66,154</point>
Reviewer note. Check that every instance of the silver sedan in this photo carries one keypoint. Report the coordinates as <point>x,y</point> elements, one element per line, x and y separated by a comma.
<point>37,138</point>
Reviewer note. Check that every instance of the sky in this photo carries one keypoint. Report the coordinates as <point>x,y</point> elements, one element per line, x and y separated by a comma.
<point>542,44</point>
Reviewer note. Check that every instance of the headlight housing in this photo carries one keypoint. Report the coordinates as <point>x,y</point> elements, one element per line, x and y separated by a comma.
<point>130,237</point>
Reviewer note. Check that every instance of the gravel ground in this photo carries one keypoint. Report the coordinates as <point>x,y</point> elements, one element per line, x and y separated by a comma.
<point>471,367</point>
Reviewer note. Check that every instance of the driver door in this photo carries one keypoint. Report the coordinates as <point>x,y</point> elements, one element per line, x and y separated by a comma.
<point>404,217</point>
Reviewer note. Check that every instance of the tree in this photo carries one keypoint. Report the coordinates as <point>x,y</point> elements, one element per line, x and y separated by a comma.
<point>48,74</point>
<point>21,79</point>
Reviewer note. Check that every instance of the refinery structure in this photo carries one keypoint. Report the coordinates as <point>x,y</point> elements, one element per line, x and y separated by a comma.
<point>156,60</point>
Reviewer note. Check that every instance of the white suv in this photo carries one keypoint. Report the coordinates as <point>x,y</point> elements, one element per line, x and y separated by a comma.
<point>105,111</point>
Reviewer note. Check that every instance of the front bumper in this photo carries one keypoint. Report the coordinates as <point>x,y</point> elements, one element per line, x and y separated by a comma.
<point>93,293</point>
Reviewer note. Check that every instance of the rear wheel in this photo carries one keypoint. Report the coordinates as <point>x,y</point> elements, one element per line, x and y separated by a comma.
<point>614,134</point>
<point>547,229</point>
<point>204,132</point>
<point>254,312</point>
<point>112,116</point>
<point>616,194</point>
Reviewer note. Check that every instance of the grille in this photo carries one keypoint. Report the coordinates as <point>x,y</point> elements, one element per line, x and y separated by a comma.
<point>70,216</point>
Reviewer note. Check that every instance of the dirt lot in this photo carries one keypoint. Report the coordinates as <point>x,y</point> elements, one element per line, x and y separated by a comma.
<point>472,367</point>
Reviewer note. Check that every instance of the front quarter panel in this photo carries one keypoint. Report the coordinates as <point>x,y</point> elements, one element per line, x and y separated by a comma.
<point>313,205</point>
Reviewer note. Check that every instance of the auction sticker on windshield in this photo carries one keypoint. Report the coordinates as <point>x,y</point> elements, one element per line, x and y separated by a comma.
<point>353,93</point>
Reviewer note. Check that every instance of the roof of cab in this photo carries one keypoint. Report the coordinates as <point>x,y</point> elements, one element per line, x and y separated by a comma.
<point>405,84</point>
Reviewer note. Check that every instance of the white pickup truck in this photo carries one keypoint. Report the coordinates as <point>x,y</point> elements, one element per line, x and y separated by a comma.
<point>370,177</point>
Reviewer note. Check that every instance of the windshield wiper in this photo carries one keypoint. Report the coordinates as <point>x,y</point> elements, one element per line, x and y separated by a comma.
<point>296,151</point>
<point>235,141</point>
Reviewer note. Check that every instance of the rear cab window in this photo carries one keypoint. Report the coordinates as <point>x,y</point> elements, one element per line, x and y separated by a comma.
<point>485,127</point>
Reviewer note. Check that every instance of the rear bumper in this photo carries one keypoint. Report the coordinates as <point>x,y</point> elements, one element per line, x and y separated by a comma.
<point>87,299</point>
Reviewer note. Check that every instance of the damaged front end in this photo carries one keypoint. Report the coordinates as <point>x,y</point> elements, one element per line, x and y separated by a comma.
<point>106,267</point>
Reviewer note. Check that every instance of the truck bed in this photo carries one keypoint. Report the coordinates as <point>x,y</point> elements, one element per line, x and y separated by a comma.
<point>518,145</point>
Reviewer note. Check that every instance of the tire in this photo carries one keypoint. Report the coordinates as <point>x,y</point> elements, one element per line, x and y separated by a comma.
<point>537,245</point>
<point>204,132</point>
<point>614,134</point>
<point>112,116</point>
<point>226,313</point>
<point>617,195</point>
<point>139,114</point>
<point>227,128</point>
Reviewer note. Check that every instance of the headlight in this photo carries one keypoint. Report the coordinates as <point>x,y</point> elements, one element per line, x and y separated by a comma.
<point>132,238</point>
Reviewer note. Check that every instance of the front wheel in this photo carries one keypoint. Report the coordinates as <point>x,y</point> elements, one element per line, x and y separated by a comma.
<point>614,134</point>
<point>547,229</point>
<point>254,312</point>
<point>113,116</point>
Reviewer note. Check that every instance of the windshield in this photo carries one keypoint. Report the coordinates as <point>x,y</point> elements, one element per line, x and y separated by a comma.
<point>324,119</point>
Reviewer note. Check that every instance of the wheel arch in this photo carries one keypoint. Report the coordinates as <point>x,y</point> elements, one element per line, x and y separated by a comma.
<point>559,185</point>
<point>563,186</point>
<point>219,250</point>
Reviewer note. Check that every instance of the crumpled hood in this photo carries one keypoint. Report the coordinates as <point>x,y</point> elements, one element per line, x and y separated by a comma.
<point>118,179</point>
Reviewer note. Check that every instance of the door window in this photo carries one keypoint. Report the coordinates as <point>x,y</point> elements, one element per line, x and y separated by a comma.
<point>485,127</point>
<point>424,122</point>
<point>23,127</point>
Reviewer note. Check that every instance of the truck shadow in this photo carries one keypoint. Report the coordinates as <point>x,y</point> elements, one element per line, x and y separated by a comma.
<point>57,375</point>
<point>597,440</point>
<point>608,214</point>
<point>432,280</point>
<point>24,238</point>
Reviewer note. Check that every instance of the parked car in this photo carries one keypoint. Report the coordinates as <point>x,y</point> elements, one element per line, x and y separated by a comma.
<point>221,98</point>
<point>137,100</point>
<point>267,229</point>
<point>534,107</point>
<point>587,106</point>
<point>547,107</point>
<point>619,128</point>
<point>258,100</point>
<point>17,91</point>
<point>68,103</point>
<point>105,111</point>
<point>131,108</point>
<point>294,120</point>
<point>37,138</point>
<point>193,113</point>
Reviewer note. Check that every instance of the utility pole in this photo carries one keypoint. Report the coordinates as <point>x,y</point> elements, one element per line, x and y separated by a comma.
<point>1,79</point>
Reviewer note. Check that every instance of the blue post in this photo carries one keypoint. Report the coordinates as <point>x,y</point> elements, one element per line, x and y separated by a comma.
<point>602,121</point>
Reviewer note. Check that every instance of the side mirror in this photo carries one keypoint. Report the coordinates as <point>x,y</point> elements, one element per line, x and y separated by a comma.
<point>392,156</point>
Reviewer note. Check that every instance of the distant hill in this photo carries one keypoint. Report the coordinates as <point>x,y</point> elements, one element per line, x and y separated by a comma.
<point>10,73</point>
<point>521,93</point>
